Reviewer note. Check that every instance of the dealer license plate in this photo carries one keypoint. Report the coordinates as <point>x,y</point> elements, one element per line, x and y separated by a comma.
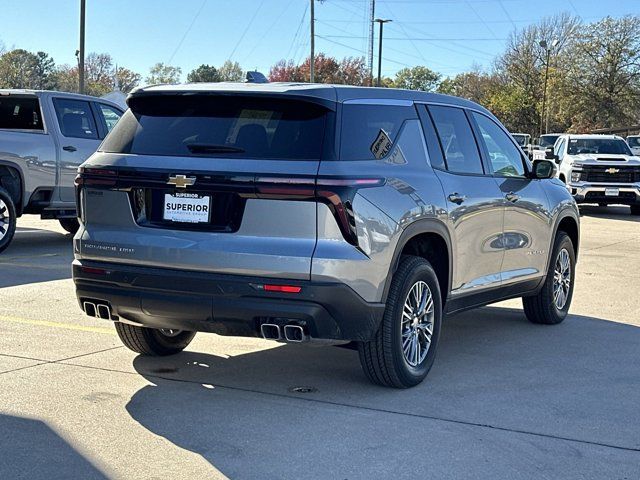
<point>187,207</point>
<point>611,192</point>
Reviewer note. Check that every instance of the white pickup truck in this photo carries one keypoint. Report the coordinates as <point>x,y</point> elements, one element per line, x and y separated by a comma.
<point>598,169</point>
<point>44,137</point>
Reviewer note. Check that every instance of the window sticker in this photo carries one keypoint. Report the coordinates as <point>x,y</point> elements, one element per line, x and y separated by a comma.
<point>381,145</point>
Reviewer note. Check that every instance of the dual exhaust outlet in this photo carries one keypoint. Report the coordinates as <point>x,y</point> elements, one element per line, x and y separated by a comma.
<point>290,333</point>
<point>99,310</point>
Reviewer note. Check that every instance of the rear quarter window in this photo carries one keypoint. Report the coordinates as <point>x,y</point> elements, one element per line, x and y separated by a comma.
<point>20,113</point>
<point>362,126</point>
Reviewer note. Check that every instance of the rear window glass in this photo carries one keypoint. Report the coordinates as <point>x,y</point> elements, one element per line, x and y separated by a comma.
<point>20,113</point>
<point>365,127</point>
<point>214,126</point>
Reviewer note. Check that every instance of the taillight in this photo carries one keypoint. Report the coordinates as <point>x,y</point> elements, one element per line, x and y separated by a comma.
<point>96,177</point>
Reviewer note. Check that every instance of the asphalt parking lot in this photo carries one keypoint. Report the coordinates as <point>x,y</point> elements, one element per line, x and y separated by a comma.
<point>505,399</point>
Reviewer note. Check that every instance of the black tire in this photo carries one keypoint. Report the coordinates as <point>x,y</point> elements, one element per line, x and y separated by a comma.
<point>383,359</point>
<point>542,308</point>
<point>71,225</point>
<point>8,219</point>
<point>151,341</point>
<point>635,209</point>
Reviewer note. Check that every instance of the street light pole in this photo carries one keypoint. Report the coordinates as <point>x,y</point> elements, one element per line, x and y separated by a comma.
<point>381,22</point>
<point>81,49</point>
<point>313,44</point>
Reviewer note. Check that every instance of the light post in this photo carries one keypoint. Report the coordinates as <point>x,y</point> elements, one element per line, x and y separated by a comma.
<point>81,49</point>
<point>381,22</point>
<point>543,44</point>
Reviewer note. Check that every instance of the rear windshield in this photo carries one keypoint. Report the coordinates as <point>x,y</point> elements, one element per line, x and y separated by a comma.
<point>579,146</point>
<point>215,126</point>
<point>20,113</point>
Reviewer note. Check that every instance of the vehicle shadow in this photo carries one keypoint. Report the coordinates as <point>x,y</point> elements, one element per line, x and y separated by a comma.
<point>34,256</point>
<point>32,450</point>
<point>613,212</point>
<point>495,371</point>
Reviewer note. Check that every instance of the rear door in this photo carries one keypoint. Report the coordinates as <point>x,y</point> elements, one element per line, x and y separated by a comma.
<point>527,219</point>
<point>474,201</point>
<point>216,183</point>
<point>78,137</point>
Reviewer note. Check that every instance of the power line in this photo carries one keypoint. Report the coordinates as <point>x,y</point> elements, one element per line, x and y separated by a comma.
<point>195,17</point>
<point>255,14</point>
<point>357,50</point>
<point>507,14</point>
<point>295,37</point>
<point>268,30</point>
<point>428,39</point>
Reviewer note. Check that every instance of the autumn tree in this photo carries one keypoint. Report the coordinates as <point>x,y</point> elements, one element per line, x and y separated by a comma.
<point>605,68</point>
<point>100,76</point>
<point>349,71</point>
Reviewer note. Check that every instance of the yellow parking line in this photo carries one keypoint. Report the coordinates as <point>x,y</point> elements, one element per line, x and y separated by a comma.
<point>66,326</point>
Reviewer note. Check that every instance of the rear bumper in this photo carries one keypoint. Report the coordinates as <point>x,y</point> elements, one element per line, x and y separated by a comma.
<point>629,194</point>
<point>224,304</point>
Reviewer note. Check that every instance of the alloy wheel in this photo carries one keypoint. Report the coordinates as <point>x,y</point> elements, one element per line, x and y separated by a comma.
<point>5,219</point>
<point>417,323</point>
<point>562,279</point>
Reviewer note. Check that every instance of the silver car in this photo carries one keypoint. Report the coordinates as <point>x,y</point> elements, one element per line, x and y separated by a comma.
<point>316,213</point>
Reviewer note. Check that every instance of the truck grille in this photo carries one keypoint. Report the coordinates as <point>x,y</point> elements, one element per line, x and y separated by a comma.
<point>606,174</point>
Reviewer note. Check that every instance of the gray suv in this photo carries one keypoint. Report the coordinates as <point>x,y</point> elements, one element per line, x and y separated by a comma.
<point>316,213</point>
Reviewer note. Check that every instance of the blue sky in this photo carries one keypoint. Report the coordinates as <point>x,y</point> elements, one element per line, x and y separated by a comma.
<point>446,35</point>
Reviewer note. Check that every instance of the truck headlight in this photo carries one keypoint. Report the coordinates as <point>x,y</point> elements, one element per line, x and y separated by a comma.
<point>575,176</point>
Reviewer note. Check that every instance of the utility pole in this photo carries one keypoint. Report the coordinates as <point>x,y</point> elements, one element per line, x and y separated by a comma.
<point>543,44</point>
<point>381,22</point>
<point>81,50</point>
<point>313,44</point>
<point>372,16</point>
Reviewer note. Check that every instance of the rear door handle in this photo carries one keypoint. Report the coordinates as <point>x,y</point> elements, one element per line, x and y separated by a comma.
<point>69,148</point>
<point>512,197</point>
<point>457,198</point>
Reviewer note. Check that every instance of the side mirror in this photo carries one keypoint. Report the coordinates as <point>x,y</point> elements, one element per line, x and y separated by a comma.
<point>549,155</point>
<point>544,169</point>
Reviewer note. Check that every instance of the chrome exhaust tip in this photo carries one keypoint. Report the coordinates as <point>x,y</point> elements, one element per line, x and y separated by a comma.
<point>104,312</point>
<point>270,331</point>
<point>89,308</point>
<point>294,333</point>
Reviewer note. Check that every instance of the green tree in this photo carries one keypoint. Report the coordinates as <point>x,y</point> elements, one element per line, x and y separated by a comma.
<point>204,73</point>
<point>417,78</point>
<point>231,72</point>
<point>18,69</point>
<point>100,76</point>
<point>161,73</point>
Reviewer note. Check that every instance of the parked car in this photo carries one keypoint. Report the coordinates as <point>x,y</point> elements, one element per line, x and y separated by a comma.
<point>316,213</point>
<point>542,143</point>
<point>524,140</point>
<point>598,169</point>
<point>634,143</point>
<point>44,137</point>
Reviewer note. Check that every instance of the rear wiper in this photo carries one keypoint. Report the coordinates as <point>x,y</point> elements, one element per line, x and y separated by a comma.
<point>212,148</point>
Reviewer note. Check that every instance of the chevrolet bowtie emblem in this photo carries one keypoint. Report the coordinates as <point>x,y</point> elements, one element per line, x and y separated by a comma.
<point>181,181</point>
<point>612,170</point>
